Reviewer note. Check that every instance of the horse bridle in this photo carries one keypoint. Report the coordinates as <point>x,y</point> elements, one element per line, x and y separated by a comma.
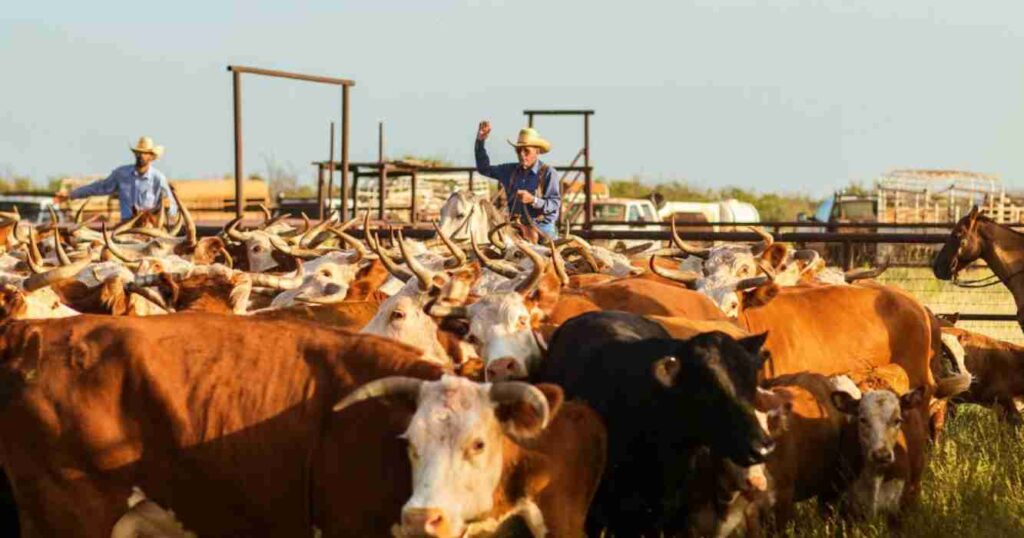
<point>984,282</point>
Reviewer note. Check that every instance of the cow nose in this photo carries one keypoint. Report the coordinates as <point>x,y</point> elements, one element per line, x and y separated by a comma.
<point>424,522</point>
<point>882,455</point>
<point>504,368</point>
<point>332,289</point>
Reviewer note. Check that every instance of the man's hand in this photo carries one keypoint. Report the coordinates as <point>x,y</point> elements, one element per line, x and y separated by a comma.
<point>525,197</point>
<point>483,130</point>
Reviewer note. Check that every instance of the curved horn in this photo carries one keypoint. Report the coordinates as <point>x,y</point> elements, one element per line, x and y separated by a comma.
<point>689,278</point>
<point>854,275</point>
<point>33,243</point>
<point>148,294</point>
<point>128,224</point>
<point>148,232</point>
<point>558,262</point>
<point>296,232</point>
<point>83,224</point>
<point>186,215</point>
<point>13,215</point>
<point>308,237</point>
<point>408,387</point>
<point>54,219</point>
<point>489,263</point>
<point>517,391</point>
<point>752,282</point>
<point>80,211</point>
<point>460,255</point>
<point>527,286</point>
<point>161,219</point>
<point>234,233</point>
<point>767,239</point>
<point>266,214</point>
<point>424,275</point>
<point>296,252</point>
<point>389,264</point>
<point>53,276</point>
<point>685,247</point>
<point>446,311</point>
<point>498,243</point>
<point>58,247</point>
<point>33,265</point>
<point>352,242</point>
<point>122,255</point>
<point>279,282</point>
<point>585,251</point>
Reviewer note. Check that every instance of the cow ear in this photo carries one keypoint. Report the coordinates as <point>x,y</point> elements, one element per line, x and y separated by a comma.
<point>844,402</point>
<point>520,419</point>
<point>775,255</point>
<point>548,291</point>
<point>666,370</point>
<point>753,344</point>
<point>912,399</point>
<point>758,296</point>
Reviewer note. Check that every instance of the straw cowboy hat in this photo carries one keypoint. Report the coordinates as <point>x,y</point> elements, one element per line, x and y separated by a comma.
<point>145,145</point>
<point>528,137</point>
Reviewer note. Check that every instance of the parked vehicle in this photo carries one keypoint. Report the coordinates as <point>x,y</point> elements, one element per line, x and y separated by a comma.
<point>33,207</point>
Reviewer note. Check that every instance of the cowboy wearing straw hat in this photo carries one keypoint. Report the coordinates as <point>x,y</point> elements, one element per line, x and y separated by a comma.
<point>139,187</point>
<point>531,187</point>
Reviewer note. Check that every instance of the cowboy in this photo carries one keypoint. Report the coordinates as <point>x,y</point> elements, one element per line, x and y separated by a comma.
<point>531,187</point>
<point>139,187</point>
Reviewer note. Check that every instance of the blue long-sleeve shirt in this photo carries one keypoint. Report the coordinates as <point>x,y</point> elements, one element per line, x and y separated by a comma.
<point>133,189</point>
<point>544,209</point>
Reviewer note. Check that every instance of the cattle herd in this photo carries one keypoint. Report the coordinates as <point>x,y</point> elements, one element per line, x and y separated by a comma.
<point>339,379</point>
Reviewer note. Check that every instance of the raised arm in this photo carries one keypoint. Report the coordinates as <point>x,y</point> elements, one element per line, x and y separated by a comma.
<point>96,188</point>
<point>483,161</point>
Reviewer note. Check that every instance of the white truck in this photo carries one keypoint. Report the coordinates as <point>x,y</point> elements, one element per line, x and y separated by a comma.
<point>643,214</point>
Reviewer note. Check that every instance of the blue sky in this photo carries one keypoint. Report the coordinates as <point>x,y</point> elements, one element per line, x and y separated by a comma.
<point>774,95</point>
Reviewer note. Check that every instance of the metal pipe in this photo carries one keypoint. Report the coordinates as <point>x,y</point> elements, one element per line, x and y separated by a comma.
<point>344,156</point>
<point>588,186</point>
<point>238,69</point>
<point>330,174</point>
<point>320,190</point>
<point>236,83</point>
<point>529,119</point>
<point>382,178</point>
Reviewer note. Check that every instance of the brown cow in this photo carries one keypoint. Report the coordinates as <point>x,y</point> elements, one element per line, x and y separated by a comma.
<point>479,456</point>
<point>998,370</point>
<point>215,417</point>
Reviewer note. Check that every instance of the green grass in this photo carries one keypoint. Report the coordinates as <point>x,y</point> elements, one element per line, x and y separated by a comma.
<point>973,487</point>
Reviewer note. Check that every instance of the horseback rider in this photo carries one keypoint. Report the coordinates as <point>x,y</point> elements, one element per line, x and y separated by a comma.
<point>531,187</point>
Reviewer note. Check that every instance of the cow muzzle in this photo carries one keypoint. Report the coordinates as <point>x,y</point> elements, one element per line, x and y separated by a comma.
<point>504,369</point>
<point>418,522</point>
<point>882,456</point>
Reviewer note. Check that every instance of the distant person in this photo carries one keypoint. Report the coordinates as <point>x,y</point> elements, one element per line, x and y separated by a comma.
<point>531,187</point>
<point>139,186</point>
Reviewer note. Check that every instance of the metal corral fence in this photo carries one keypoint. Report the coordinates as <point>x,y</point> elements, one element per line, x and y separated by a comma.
<point>910,248</point>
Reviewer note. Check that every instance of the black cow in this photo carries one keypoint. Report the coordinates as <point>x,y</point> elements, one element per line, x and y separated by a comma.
<point>664,401</point>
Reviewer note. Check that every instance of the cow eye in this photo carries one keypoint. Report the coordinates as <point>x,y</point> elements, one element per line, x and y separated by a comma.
<point>257,249</point>
<point>522,322</point>
<point>478,446</point>
<point>325,273</point>
<point>397,315</point>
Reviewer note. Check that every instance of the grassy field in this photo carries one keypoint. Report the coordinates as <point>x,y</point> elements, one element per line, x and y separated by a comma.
<point>974,484</point>
<point>973,487</point>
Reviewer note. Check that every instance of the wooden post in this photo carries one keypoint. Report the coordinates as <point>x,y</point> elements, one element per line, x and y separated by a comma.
<point>236,83</point>
<point>344,157</point>
<point>412,205</point>
<point>589,185</point>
